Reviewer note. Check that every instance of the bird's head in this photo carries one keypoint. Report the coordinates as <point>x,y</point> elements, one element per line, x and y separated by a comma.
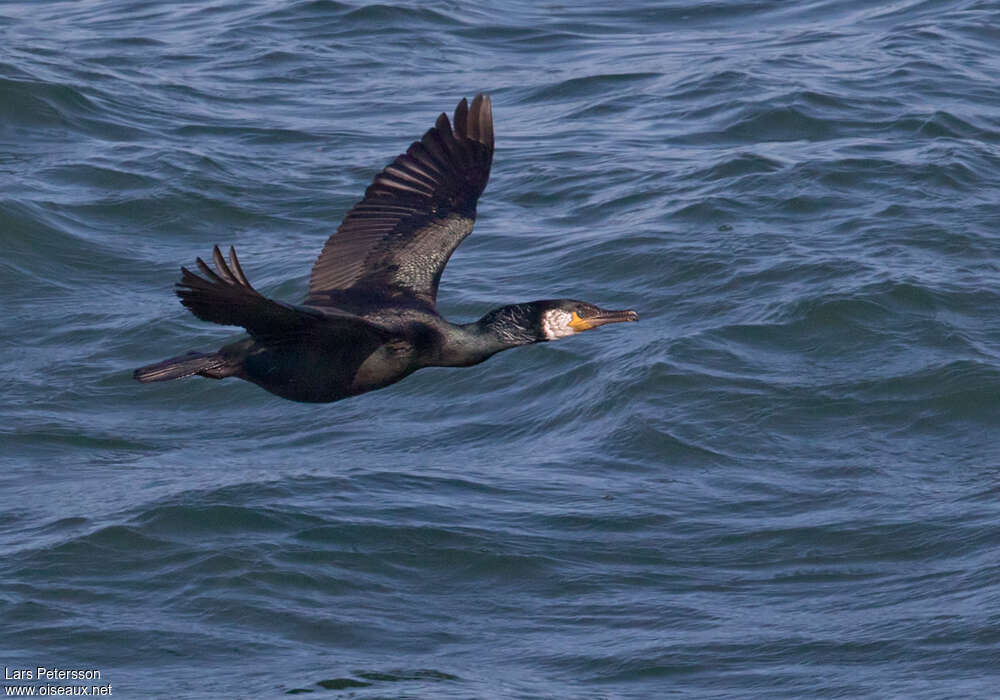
<point>550,319</point>
<point>559,318</point>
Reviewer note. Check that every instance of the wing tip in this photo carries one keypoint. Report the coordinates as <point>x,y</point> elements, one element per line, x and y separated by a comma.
<point>475,121</point>
<point>226,281</point>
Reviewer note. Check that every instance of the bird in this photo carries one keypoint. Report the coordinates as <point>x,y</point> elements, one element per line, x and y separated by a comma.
<point>369,318</point>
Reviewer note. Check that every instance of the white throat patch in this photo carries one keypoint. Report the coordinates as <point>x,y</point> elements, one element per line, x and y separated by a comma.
<point>555,324</point>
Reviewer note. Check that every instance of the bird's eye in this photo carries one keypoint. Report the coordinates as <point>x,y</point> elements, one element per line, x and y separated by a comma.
<point>581,312</point>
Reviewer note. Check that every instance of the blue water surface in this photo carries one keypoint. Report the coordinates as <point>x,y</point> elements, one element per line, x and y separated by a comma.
<point>783,482</point>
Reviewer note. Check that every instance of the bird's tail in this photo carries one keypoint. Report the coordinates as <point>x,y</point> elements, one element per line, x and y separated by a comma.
<point>211,364</point>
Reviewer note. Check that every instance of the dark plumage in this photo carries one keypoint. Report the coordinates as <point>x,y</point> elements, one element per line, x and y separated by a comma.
<point>369,318</point>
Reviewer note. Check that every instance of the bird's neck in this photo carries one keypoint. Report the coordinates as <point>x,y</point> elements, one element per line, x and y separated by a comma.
<point>501,329</point>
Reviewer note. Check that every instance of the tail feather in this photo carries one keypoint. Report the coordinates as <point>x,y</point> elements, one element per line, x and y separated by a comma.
<point>207,364</point>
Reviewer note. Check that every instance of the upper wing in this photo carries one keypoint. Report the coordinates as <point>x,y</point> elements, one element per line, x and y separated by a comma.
<point>398,239</point>
<point>225,296</point>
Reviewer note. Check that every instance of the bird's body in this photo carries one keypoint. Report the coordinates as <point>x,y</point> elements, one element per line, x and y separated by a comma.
<point>359,362</point>
<point>370,317</point>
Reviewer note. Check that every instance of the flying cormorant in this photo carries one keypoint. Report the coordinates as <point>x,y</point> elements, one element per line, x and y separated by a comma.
<point>370,318</point>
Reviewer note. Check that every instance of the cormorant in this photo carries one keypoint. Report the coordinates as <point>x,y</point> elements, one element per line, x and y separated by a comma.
<point>369,318</point>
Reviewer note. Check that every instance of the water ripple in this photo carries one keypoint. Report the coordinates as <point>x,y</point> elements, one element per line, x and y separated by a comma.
<point>785,470</point>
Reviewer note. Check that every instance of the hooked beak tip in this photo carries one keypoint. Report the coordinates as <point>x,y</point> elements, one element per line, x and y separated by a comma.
<point>615,317</point>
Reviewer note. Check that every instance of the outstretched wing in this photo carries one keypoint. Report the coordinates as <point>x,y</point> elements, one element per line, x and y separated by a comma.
<point>397,240</point>
<point>225,296</point>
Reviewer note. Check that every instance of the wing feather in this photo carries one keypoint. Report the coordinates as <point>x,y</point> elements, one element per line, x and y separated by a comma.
<point>225,296</point>
<point>398,239</point>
